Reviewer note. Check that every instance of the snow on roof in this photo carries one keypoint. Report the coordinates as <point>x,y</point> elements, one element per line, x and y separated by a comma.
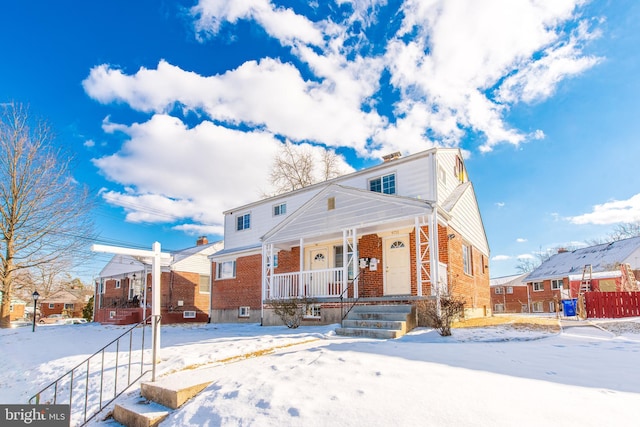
<point>513,280</point>
<point>603,257</point>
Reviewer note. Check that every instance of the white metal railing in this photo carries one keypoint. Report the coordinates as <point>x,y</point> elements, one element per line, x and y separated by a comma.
<point>306,284</point>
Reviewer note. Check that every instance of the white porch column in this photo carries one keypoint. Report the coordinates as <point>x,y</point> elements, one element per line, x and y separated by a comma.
<point>434,258</point>
<point>354,260</point>
<point>301,269</point>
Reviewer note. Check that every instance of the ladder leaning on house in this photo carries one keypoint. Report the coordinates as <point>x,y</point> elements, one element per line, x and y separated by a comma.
<point>629,282</point>
<point>585,286</point>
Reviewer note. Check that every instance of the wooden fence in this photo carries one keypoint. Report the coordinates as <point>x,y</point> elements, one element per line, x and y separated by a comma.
<point>612,304</point>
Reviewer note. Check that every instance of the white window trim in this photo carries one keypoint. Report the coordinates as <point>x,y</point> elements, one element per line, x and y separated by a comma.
<point>467,259</point>
<point>538,303</point>
<point>498,290</point>
<point>244,312</point>
<point>533,286</point>
<point>117,283</point>
<point>313,311</point>
<point>380,177</point>
<point>219,263</point>
<point>509,289</point>
<point>242,216</point>
<point>500,309</point>
<point>52,305</point>
<point>279,207</point>
<point>555,283</point>
<point>189,314</point>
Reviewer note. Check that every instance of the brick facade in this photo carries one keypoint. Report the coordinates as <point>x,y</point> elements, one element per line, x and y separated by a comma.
<point>244,290</point>
<point>509,299</point>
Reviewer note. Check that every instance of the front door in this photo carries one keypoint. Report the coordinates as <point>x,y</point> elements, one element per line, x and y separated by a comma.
<point>318,282</point>
<point>397,268</point>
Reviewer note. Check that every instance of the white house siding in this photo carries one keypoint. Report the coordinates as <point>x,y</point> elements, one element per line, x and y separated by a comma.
<point>446,178</point>
<point>466,219</point>
<point>262,219</point>
<point>414,178</point>
<point>197,262</point>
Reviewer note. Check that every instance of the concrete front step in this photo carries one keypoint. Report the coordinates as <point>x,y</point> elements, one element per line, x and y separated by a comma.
<point>375,324</point>
<point>159,399</point>
<point>370,333</point>
<point>140,413</point>
<point>378,321</point>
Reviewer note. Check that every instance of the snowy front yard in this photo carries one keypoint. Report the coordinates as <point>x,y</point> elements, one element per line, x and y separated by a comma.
<point>490,376</point>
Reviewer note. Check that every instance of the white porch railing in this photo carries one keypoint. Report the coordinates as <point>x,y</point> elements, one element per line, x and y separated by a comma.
<point>306,284</point>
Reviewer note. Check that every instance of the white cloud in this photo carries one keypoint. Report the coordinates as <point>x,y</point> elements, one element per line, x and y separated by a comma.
<point>176,174</point>
<point>453,67</point>
<point>521,240</point>
<point>525,256</point>
<point>613,212</point>
<point>501,258</point>
<point>500,204</point>
<point>89,143</point>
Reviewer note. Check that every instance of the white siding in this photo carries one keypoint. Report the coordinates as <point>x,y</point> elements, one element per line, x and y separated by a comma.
<point>447,160</point>
<point>414,178</point>
<point>197,262</point>
<point>466,220</point>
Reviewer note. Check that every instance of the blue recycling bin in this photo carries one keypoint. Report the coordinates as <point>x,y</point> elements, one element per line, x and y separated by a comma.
<point>569,306</point>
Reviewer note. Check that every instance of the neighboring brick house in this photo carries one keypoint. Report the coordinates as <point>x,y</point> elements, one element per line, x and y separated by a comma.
<point>67,302</point>
<point>401,231</point>
<point>559,277</point>
<point>510,294</point>
<point>124,287</point>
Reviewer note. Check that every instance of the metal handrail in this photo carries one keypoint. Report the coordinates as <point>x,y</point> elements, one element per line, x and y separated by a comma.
<point>56,391</point>
<point>355,299</point>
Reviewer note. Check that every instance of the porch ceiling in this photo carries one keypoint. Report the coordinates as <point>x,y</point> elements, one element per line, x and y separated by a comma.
<point>366,211</point>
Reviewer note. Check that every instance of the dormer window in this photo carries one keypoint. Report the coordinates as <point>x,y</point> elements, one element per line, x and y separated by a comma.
<point>385,184</point>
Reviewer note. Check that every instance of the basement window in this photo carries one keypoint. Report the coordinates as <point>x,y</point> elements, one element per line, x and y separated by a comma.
<point>243,312</point>
<point>312,311</point>
<point>189,314</point>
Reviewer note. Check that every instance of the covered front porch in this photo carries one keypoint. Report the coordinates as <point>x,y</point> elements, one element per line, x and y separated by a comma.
<point>349,243</point>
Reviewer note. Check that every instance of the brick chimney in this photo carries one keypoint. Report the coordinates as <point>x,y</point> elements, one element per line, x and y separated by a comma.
<point>202,240</point>
<point>562,250</point>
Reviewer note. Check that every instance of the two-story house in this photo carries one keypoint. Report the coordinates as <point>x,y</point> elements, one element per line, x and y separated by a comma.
<point>124,294</point>
<point>510,294</point>
<point>601,266</point>
<point>401,231</point>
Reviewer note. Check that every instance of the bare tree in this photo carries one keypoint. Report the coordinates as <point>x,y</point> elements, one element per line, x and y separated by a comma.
<point>625,231</point>
<point>297,166</point>
<point>527,264</point>
<point>43,210</point>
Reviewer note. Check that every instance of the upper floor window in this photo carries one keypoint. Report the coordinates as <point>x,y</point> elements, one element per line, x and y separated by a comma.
<point>467,262</point>
<point>280,209</point>
<point>556,284</point>
<point>117,283</point>
<point>509,289</point>
<point>385,184</point>
<point>243,222</point>
<point>538,286</point>
<point>498,290</point>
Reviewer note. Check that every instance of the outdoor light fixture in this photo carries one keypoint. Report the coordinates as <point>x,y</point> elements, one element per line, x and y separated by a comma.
<point>35,296</point>
<point>451,236</point>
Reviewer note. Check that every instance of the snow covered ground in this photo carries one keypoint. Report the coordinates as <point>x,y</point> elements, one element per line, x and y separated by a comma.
<point>489,376</point>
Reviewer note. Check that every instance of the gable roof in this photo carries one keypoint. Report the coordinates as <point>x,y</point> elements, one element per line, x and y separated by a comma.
<point>603,257</point>
<point>354,207</point>
<point>341,178</point>
<point>513,280</point>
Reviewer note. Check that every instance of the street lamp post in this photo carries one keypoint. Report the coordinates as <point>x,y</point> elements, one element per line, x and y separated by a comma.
<point>35,296</point>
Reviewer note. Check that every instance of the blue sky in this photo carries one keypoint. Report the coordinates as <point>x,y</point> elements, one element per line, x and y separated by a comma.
<point>173,108</point>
